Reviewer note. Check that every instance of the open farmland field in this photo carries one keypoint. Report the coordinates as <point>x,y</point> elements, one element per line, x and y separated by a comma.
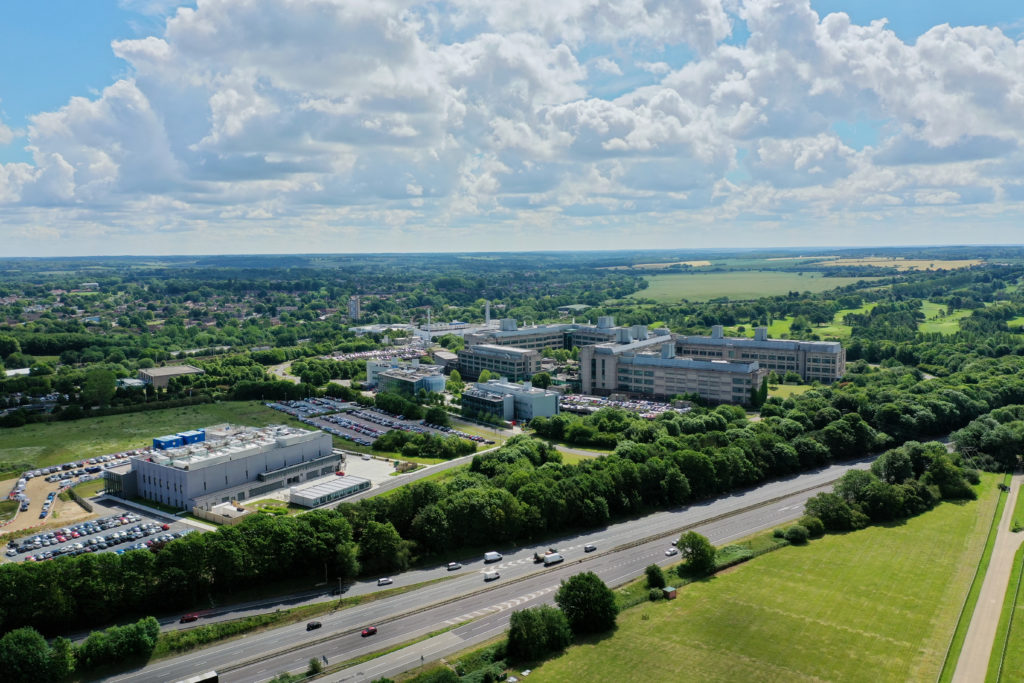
<point>875,605</point>
<point>53,443</point>
<point>658,266</point>
<point>736,285</point>
<point>904,264</point>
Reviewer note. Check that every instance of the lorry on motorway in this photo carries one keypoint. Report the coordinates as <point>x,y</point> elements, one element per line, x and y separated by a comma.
<point>492,556</point>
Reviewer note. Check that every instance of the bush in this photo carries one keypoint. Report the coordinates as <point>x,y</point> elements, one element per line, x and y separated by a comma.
<point>815,527</point>
<point>779,533</point>
<point>797,534</point>
<point>654,594</point>
<point>655,577</point>
<point>972,476</point>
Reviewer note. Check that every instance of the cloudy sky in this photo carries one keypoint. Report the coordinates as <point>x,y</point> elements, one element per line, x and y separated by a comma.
<point>262,126</point>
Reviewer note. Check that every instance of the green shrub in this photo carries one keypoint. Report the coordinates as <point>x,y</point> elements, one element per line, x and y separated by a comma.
<point>779,533</point>
<point>972,476</point>
<point>797,534</point>
<point>815,527</point>
<point>655,577</point>
<point>654,594</point>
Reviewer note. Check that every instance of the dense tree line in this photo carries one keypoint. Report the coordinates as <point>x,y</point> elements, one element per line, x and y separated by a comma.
<point>77,592</point>
<point>26,656</point>
<point>412,445</point>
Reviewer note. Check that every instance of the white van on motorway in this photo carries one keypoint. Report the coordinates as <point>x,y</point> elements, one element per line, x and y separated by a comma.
<point>492,556</point>
<point>552,558</point>
<point>491,576</point>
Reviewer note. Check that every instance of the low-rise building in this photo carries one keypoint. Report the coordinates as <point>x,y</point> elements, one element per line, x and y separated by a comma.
<point>409,380</point>
<point>159,377</point>
<point>812,360</point>
<point>508,400</point>
<point>649,367</point>
<point>506,361</point>
<point>229,463</point>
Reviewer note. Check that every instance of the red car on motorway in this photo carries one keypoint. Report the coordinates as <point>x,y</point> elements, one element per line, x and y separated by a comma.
<point>187,618</point>
<point>369,631</point>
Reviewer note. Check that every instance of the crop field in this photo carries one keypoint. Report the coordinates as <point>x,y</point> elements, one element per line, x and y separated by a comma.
<point>658,266</point>
<point>903,264</point>
<point>736,285</point>
<point>937,321</point>
<point>52,443</point>
<point>874,605</point>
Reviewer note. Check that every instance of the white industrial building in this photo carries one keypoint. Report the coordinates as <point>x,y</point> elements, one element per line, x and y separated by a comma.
<point>232,464</point>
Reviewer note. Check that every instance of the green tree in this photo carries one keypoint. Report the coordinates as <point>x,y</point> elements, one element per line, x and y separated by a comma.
<point>24,656</point>
<point>382,549</point>
<point>588,603</point>
<point>315,667</point>
<point>455,384</point>
<point>535,632</point>
<point>485,375</point>
<point>8,345</point>
<point>655,576</point>
<point>62,658</point>
<point>541,380</point>
<point>698,552</point>
<point>99,386</point>
<point>436,415</point>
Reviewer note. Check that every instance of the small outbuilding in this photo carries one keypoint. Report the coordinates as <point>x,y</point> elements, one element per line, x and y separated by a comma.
<point>668,592</point>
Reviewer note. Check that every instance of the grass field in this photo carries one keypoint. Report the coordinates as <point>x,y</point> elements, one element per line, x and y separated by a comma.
<point>1007,659</point>
<point>784,391</point>
<point>874,605</point>
<point>936,321</point>
<point>53,443</point>
<point>749,284</point>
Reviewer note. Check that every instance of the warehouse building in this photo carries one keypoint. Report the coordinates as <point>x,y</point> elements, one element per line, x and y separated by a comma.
<point>159,377</point>
<point>508,400</point>
<point>812,360</point>
<point>650,368</point>
<point>328,491</point>
<point>225,463</point>
<point>516,364</point>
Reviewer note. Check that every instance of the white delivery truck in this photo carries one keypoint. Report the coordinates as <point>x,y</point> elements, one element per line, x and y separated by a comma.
<point>492,556</point>
<point>552,558</point>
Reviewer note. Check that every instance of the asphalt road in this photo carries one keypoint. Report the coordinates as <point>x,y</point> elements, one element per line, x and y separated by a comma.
<point>624,549</point>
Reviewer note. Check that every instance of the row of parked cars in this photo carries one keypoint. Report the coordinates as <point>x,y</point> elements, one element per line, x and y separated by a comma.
<point>460,434</point>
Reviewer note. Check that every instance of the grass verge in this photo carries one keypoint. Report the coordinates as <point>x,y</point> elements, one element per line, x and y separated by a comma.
<point>1008,647</point>
<point>876,604</point>
<point>956,642</point>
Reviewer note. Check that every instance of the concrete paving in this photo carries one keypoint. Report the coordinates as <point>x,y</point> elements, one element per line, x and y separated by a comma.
<point>981,634</point>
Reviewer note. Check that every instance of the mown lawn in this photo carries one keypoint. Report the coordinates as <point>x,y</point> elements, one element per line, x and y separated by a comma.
<point>784,391</point>
<point>937,321</point>
<point>750,284</point>
<point>53,443</point>
<point>875,605</point>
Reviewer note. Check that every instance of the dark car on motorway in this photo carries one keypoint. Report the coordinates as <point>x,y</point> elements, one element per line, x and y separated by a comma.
<point>313,625</point>
<point>187,618</point>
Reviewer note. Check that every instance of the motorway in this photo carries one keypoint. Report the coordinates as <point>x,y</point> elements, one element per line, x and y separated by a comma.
<point>482,609</point>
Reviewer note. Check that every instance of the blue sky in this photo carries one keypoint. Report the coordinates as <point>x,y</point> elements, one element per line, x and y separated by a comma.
<point>136,127</point>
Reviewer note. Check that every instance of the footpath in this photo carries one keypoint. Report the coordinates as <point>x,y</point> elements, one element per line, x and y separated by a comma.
<point>981,634</point>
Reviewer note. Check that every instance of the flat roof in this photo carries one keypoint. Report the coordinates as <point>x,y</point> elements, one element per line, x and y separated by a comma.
<point>171,370</point>
<point>787,344</point>
<point>329,486</point>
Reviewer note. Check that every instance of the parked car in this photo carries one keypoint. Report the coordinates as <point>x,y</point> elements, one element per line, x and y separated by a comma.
<point>369,631</point>
<point>384,581</point>
<point>313,625</point>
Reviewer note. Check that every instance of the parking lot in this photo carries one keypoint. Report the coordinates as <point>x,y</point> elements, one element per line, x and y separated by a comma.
<point>108,528</point>
<point>360,424</point>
